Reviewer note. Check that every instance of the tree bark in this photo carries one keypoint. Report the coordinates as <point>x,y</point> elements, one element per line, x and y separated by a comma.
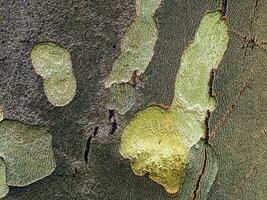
<point>86,134</point>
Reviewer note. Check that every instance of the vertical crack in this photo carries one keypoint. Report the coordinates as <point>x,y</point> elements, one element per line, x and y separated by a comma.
<point>224,8</point>
<point>112,120</point>
<point>207,128</point>
<point>111,114</point>
<point>114,127</point>
<point>88,144</point>
<point>212,77</point>
<point>200,176</point>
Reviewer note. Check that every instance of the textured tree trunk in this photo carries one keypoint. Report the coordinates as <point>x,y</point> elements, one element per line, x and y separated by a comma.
<point>86,134</point>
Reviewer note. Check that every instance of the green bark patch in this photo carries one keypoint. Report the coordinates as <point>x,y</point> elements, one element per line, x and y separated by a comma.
<point>158,141</point>
<point>26,152</point>
<point>53,63</point>
<point>137,45</point>
<point>137,50</point>
<point>122,97</point>
<point>201,172</point>
<point>153,144</point>
<point>3,185</point>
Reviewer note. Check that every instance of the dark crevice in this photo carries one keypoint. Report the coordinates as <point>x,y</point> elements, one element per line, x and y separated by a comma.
<point>112,120</point>
<point>200,176</point>
<point>87,148</point>
<point>224,8</point>
<point>207,128</point>
<point>212,77</point>
<point>111,114</point>
<point>135,78</point>
<point>88,144</point>
<point>114,127</point>
<point>96,131</point>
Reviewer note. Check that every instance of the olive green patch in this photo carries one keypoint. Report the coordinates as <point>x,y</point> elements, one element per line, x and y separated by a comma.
<point>53,63</point>
<point>3,185</point>
<point>137,46</point>
<point>201,172</point>
<point>122,97</point>
<point>158,141</point>
<point>137,50</point>
<point>26,151</point>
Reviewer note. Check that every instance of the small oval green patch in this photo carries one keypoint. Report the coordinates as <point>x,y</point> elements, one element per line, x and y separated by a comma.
<point>53,63</point>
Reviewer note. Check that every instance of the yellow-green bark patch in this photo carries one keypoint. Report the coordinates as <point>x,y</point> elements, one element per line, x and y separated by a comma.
<point>158,141</point>
<point>53,63</point>
<point>152,142</point>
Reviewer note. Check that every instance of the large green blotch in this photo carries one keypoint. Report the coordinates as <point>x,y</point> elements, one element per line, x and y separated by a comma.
<point>137,50</point>
<point>203,54</point>
<point>152,142</point>
<point>157,141</point>
<point>137,45</point>
<point>53,63</point>
<point>26,151</point>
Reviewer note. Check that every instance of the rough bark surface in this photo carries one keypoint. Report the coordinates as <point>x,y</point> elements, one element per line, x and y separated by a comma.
<point>86,134</point>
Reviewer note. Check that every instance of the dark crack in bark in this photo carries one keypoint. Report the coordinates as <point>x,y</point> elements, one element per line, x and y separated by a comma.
<point>224,7</point>
<point>114,127</point>
<point>200,176</point>
<point>88,144</point>
<point>207,128</point>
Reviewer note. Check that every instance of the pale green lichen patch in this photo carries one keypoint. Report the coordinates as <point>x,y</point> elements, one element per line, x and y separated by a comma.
<point>122,97</point>
<point>202,55</point>
<point>53,63</point>
<point>137,50</point>
<point>3,185</point>
<point>137,46</point>
<point>26,151</point>
<point>158,141</point>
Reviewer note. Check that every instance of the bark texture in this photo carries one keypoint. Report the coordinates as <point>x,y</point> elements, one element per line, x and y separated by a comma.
<point>86,135</point>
